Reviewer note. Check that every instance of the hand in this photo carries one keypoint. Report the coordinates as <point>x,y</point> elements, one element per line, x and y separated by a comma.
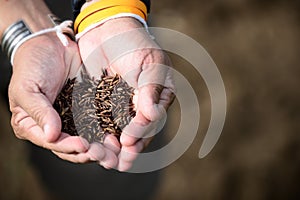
<point>124,47</point>
<point>41,66</point>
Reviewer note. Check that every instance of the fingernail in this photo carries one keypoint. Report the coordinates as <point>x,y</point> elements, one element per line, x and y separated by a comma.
<point>47,133</point>
<point>124,166</point>
<point>46,129</point>
<point>96,152</point>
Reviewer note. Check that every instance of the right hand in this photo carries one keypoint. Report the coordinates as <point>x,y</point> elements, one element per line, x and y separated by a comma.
<point>41,66</point>
<point>122,46</point>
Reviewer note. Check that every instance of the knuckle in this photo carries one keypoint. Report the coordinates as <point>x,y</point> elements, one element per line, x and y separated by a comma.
<point>19,136</point>
<point>154,56</point>
<point>170,96</point>
<point>16,87</point>
<point>81,145</point>
<point>17,129</point>
<point>46,145</point>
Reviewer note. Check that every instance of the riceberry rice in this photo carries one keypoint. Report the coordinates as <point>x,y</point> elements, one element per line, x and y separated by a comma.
<point>92,108</point>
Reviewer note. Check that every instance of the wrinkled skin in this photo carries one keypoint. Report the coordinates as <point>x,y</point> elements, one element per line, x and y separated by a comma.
<point>122,46</point>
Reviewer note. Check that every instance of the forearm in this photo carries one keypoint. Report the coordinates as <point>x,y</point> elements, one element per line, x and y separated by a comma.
<point>33,12</point>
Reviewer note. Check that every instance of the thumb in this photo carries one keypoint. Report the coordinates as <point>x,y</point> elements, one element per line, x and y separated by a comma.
<point>39,108</point>
<point>148,102</point>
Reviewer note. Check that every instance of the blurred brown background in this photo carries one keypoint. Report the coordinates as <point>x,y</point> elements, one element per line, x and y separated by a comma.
<point>255,44</point>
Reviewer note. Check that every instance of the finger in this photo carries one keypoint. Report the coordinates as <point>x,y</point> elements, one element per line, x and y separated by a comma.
<point>110,160</point>
<point>38,107</point>
<point>26,128</point>
<point>22,123</point>
<point>75,158</point>
<point>129,154</point>
<point>124,166</point>
<point>148,102</point>
<point>166,98</point>
<point>139,127</point>
<point>69,144</point>
<point>97,152</point>
<point>112,143</point>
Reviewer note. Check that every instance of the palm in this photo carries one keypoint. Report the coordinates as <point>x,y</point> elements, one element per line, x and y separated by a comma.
<point>121,46</point>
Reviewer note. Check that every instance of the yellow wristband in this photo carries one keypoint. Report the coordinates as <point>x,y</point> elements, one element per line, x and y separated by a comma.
<point>98,16</point>
<point>105,4</point>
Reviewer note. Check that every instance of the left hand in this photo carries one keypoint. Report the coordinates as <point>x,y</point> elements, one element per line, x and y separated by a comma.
<point>138,60</point>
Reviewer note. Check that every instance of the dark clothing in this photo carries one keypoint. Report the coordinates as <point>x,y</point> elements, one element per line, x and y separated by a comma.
<point>70,181</point>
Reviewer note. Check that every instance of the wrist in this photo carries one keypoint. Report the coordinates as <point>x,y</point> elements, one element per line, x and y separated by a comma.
<point>32,12</point>
<point>110,29</point>
<point>98,36</point>
<point>38,51</point>
<point>117,26</point>
<point>19,33</point>
<point>45,43</point>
